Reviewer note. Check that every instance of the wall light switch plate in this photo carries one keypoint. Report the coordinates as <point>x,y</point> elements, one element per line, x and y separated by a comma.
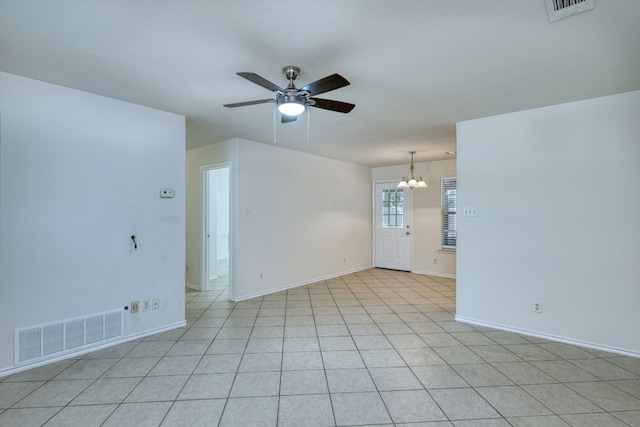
<point>470,211</point>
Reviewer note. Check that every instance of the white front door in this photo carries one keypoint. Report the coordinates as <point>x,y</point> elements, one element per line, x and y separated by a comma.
<point>392,227</point>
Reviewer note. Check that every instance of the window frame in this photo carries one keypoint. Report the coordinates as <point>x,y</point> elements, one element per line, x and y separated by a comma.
<point>446,213</point>
<point>394,208</point>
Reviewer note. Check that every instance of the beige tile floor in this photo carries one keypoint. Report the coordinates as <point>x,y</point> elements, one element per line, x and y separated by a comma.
<point>373,348</point>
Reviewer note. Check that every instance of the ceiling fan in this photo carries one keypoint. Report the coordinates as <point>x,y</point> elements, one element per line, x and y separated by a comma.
<point>292,101</point>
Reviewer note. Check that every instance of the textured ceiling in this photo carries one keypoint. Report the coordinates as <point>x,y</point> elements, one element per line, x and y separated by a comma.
<point>416,67</point>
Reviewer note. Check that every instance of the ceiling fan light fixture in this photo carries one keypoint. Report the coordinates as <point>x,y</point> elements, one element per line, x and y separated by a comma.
<point>291,101</point>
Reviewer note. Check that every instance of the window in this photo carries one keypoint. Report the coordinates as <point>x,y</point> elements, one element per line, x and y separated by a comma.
<point>392,208</point>
<point>449,229</point>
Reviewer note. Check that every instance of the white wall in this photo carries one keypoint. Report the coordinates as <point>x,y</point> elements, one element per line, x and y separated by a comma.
<point>426,216</point>
<point>80,173</point>
<point>307,215</point>
<point>558,195</point>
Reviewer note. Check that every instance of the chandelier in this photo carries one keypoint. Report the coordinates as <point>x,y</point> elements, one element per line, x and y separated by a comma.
<point>412,180</point>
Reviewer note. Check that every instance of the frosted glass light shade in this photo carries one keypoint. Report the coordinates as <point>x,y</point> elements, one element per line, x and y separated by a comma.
<point>291,108</point>
<point>412,182</point>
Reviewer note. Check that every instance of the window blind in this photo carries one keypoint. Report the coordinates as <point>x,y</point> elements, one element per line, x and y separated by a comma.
<point>449,212</point>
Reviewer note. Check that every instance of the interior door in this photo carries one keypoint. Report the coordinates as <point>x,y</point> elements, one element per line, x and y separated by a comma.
<point>392,226</point>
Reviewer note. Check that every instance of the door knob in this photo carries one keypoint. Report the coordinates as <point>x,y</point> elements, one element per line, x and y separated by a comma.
<point>408,233</point>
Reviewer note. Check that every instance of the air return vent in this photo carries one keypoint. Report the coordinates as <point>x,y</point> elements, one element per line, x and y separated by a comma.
<point>42,342</point>
<point>558,9</point>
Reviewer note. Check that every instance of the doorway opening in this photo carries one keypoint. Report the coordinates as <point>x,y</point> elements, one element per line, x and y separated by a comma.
<point>216,228</point>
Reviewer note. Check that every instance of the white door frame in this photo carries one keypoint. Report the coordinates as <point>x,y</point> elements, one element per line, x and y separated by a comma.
<point>375,234</point>
<point>205,203</point>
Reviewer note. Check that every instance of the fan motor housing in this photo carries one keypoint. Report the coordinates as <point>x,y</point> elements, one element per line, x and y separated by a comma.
<point>291,72</point>
<point>298,99</point>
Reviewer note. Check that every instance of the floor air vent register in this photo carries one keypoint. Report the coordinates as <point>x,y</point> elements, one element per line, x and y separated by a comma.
<point>36,343</point>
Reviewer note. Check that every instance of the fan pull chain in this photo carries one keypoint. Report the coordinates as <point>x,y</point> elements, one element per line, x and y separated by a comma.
<point>275,138</point>
<point>308,125</point>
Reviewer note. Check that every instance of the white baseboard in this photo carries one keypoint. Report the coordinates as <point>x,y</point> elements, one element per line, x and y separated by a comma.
<point>295,285</point>
<point>15,370</point>
<point>555,338</point>
<point>194,287</point>
<point>433,273</point>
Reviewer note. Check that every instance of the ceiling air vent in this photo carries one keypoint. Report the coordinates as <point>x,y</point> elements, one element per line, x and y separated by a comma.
<point>559,9</point>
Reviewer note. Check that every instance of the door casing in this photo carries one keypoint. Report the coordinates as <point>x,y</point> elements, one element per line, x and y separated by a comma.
<point>206,214</point>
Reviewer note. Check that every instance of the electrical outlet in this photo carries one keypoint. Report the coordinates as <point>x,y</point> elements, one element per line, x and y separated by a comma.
<point>537,307</point>
<point>135,307</point>
<point>260,276</point>
<point>146,305</point>
<point>155,303</point>
<point>166,193</point>
<point>435,260</point>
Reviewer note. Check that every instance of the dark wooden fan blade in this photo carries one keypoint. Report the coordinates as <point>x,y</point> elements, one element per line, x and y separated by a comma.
<point>261,81</point>
<point>329,104</point>
<point>242,104</point>
<point>332,82</point>
<point>288,119</point>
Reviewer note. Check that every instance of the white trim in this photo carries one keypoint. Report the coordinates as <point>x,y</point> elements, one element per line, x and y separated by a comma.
<point>434,273</point>
<point>195,287</point>
<point>15,370</point>
<point>295,285</point>
<point>549,337</point>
